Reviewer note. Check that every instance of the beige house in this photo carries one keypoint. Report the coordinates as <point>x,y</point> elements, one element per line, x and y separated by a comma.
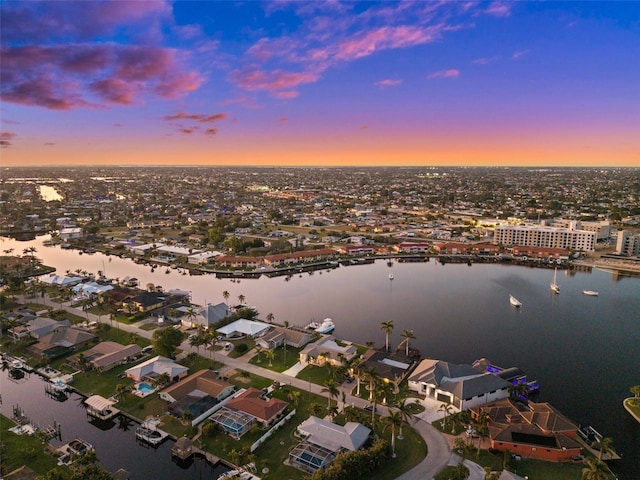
<point>106,355</point>
<point>327,350</point>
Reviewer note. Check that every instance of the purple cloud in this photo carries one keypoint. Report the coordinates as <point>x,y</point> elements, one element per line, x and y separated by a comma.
<point>6,139</point>
<point>499,9</point>
<point>198,117</point>
<point>450,73</point>
<point>388,83</point>
<point>48,58</point>
<point>485,60</point>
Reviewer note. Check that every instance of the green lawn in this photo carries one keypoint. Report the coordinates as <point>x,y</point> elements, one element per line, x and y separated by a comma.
<point>282,360</point>
<point>18,450</point>
<point>317,375</point>
<point>101,383</point>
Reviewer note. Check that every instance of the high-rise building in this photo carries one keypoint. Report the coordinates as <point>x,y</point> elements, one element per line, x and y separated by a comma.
<point>550,237</point>
<point>628,243</point>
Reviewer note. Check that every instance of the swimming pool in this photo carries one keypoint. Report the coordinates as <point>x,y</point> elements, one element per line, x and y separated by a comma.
<point>145,388</point>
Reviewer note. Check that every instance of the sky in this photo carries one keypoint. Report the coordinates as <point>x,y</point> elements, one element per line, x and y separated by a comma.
<point>296,83</point>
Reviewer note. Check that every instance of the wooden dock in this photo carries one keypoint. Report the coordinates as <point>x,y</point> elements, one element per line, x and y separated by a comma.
<point>606,456</point>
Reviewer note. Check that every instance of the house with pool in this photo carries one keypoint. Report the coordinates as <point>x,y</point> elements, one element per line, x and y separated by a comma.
<point>247,408</point>
<point>198,394</point>
<point>154,367</point>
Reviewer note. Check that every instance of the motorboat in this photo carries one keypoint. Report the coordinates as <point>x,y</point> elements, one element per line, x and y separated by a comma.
<point>514,301</point>
<point>327,326</point>
<point>154,437</point>
<point>555,288</point>
<point>391,276</point>
<point>590,293</point>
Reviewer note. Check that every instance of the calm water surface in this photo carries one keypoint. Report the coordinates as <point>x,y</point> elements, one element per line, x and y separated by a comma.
<point>584,351</point>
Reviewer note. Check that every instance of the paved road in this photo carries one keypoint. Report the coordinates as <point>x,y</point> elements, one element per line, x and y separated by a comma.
<point>438,455</point>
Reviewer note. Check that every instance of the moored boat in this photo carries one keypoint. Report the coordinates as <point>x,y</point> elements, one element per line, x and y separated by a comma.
<point>514,301</point>
<point>590,293</point>
<point>327,326</point>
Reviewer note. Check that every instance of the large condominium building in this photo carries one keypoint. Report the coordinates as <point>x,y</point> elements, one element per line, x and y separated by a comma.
<point>550,237</point>
<point>602,227</point>
<point>628,243</point>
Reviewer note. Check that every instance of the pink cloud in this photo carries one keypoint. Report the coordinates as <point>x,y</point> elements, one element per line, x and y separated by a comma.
<point>198,117</point>
<point>485,60</point>
<point>211,131</point>
<point>450,73</point>
<point>283,119</point>
<point>388,83</point>
<point>385,38</point>
<point>49,144</point>
<point>499,9</point>
<point>116,90</point>
<point>6,139</point>
<point>253,79</point>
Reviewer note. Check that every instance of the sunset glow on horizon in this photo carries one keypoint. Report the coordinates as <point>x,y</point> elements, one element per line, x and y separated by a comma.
<point>320,83</point>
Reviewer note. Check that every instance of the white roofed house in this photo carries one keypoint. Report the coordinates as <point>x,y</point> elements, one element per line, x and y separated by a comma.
<point>324,440</point>
<point>327,350</point>
<point>462,386</point>
<point>155,367</point>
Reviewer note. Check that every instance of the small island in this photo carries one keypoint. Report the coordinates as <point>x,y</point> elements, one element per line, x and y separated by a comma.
<point>632,404</point>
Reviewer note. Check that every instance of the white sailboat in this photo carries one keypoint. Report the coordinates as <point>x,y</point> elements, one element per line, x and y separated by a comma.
<point>555,288</point>
<point>514,301</point>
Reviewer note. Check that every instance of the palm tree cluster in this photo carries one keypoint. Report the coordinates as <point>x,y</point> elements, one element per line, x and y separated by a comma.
<point>408,335</point>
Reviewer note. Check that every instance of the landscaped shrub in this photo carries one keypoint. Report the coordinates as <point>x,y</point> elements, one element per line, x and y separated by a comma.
<point>242,348</point>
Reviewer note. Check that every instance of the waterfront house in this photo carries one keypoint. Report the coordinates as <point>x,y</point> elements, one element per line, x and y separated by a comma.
<point>106,355</point>
<point>61,341</point>
<point>327,350</point>
<point>61,281</point>
<point>202,258</point>
<point>407,247</point>
<point>230,261</point>
<point>532,430</point>
<point>390,367</point>
<point>155,367</point>
<point>70,233</point>
<point>322,441</point>
<point>198,393</point>
<point>38,327</point>
<point>145,302</point>
<point>278,336</point>
<point>243,327</point>
<point>207,316</point>
<point>462,386</point>
<point>247,408</point>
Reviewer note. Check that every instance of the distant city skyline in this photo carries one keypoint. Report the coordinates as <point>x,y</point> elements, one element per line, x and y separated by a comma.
<point>448,83</point>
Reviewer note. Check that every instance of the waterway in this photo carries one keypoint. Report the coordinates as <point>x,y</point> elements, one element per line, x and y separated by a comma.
<point>115,442</point>
<point>584,351</point>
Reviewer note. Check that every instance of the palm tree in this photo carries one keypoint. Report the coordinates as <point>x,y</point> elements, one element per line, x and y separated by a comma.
<point>270,317</point>
<point>408,335</point>
<point>241,299</point>
<point>270,354</point>
<point>604,446</point>
<point>331,388</point>
<point>636,394</point>
<point>393,420</point>
<point>403,408</point>
<point>595,470</point>
<point>294,396</point>
<point>372,376</point>
<point>191,314</point>
<point>258,352</point>
<point>387,328</point>
<point>226,296</point>
<point>446,408</point>
<point>121,391</point>
<point>518,391</point>
<point>315,409</point>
